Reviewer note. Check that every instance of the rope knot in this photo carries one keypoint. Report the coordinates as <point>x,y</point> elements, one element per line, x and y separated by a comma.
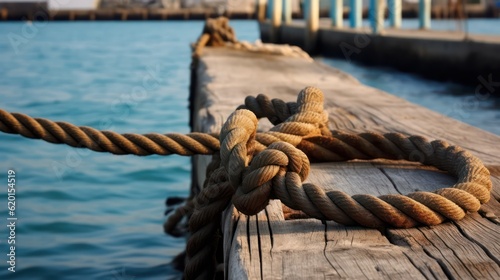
<point>309,119</point>
<point>237,146</point>
<point>271,168</point>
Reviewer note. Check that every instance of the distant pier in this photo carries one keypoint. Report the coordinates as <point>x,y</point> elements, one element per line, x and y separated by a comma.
<point>443,55</point>
<point>42,14</point>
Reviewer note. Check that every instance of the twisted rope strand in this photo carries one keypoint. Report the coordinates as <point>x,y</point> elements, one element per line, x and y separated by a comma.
<point>275,110</point>
<point>338,147</point>
<point>204,224</point>
<point>108,141</point>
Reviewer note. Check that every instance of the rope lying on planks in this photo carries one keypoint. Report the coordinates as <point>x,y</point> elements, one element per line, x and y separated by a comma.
<point>249,168</point>
<point>217,33</point>
<point>249,180</point>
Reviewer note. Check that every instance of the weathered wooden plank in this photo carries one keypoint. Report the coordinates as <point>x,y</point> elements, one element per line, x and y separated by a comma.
<point>290,238</point>
<point>482,232</point>
<point>273,214</point>
<point>239,260</point>
<point>495,179</point>
<point>458,257</point>
<point>230,221</point>
<point>467,248</point>
<point>255,244</point>
<point>358,253</point>
<point>368,254</point>
<point>265,246</point>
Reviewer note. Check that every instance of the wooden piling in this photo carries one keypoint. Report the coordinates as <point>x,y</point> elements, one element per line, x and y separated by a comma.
<point>269,10</point>
<point>424,14</point>
<point>4,13</point>
<point>261,10</point>
<point>377,11</point>
<point>356,13</point>
<point>337,13</point>
<point>312,25</point>
<point>287,11</point>
<point>276,11</point>
<point>395,12</point>
<point>123,14</point>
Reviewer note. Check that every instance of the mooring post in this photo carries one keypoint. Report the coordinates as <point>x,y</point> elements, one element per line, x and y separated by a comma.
<point>269,9</point>
<point>337,12</point>
<point>377,9</point>
<point>312,24</point>
<point>261,10</point>
<point>287,11</point>
<point>355,14</point>
<point>276,19</point>
<point>395,13</point>
<point>424,14</point>
<point>4,13</point>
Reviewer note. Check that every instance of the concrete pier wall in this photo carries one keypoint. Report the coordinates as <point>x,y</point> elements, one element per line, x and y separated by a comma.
<point>433,54</point>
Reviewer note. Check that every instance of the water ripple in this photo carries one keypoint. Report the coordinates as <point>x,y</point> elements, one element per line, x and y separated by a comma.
<point>85,215</point>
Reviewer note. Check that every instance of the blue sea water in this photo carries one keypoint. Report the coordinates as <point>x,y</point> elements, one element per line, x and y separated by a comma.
<point>87,215</point>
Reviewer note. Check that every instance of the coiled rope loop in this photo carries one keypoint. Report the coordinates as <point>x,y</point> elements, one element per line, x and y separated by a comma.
<point>280,169</point>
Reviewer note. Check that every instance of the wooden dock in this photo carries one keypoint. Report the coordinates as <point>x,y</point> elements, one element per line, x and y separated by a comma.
<point>266,246</point>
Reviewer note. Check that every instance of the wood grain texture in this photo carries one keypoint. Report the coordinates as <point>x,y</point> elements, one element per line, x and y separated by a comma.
<point>266,246</point>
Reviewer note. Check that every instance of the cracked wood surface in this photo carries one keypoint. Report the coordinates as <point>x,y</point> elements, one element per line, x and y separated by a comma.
<point>266,246</point>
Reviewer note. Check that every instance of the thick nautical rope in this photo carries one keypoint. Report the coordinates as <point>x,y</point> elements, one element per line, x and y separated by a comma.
<point>280,169</point>
<point>259,166</point>
<point>108,141</point>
